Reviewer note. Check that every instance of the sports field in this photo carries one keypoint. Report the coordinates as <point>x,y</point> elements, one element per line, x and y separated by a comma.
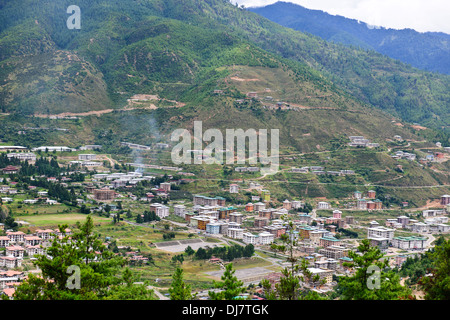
<point>61,218</point>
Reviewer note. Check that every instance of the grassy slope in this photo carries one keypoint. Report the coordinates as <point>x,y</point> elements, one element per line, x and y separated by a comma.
<point>175,47</point>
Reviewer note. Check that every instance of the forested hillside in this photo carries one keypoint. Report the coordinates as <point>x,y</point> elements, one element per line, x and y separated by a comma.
<point>424,50</point>
<point>181,49</point>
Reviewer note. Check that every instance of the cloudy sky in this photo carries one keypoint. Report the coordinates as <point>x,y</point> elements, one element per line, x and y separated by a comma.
<point>421,15</point>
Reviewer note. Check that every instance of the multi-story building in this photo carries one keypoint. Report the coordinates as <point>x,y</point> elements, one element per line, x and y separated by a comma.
<point>265,213</point>
<point>265,195</point>
<point>329,241</point>
<point>224,213</point>
<point>34,250</point>
<point>287,204</point>
<point>378,204</point>
<point>380,236</point>
<point>276,230</point>
<point>420,227</point>
<point>234,188</point>
<point>14,251</point>
<point>213,228</point>
<point>15,236</point>
<point>235,233</point>
<point>262,238</point>
<point>330,264</point>
<point>179,210</point>
<point>10,262</point>
<point>257,207</point>
<point>404,220</point>
<point>4,241</point>
<point>322,205</point>
<point>260,222</point>
<point>45,234</point>
<point>23,156</point>
<point>334,252</point>
<point>305,218</point>
<point>305,232</point>
<point>87,156</point>
<point>203,200</point>
<point>337,214</point>
<point>265,238</point>
<point>361,204</point>
<point>432,213</point>
<point>236,217</point>
<point>408,243</point>
<point>315,235</point>
<point>350,219</point>
<point>370,205</point>
<point>278,214</point>
<point>380,232</point>
<point>445,199</point>
<point>32,240</point>
<point>296,204</point>
<point>162,211</point>
<point>323,273</point>
<point>249,238</point>
<point>104,194</point>
<point>165,186</point>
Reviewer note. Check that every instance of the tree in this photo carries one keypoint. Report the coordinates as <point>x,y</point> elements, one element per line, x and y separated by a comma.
<point>179,290</point>
<point>189,251</point>
<point>79,268</point>
<point>129,291</point>
<point>437,285</point>
<point>230,285</point>
<point>289,286</point>
<point>249,250</point>
<point>373,280</point>
<point>10,223</point>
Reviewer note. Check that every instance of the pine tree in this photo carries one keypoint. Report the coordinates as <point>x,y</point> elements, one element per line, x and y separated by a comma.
<point>97,271</point>
<point>437,285</point>
<point>230,285</point>
<point>372,280</point>
<point>179,290</point>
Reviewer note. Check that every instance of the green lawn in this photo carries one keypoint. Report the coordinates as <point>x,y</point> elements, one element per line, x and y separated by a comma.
<point>53,220</point>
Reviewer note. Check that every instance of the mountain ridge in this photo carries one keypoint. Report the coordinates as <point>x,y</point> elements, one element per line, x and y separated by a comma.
<point>424,50</point>
<point>183,50</point>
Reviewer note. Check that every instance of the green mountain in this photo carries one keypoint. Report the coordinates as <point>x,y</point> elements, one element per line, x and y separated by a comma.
<point>181,51</point>
<point>424,50</point>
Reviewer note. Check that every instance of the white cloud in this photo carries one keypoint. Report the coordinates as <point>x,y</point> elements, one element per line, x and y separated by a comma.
<point>421,15</point>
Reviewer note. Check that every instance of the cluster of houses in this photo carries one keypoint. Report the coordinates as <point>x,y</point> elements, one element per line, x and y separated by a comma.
<point>320,170</point>
<point>367,202</point>
<point>383,236</point>
<point>87,160</point>
<point>9,190</point>
<point>404,155</point>
<point>17,244</point>
<point>119,180</point>
<point>360,141</point>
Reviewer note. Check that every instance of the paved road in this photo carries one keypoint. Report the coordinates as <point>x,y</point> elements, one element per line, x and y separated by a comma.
<point>155,290</point>
<point>159,294</point>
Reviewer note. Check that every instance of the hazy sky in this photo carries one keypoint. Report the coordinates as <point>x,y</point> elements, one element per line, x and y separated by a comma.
<point>421,15</point>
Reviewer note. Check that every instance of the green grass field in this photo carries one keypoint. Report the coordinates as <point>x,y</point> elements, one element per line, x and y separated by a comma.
<point>53,220</point>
